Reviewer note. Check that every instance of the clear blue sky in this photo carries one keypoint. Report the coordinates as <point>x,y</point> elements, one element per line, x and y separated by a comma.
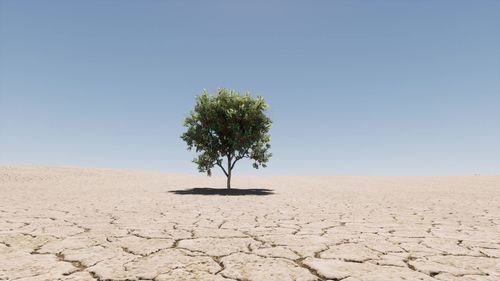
<point>355,87</point>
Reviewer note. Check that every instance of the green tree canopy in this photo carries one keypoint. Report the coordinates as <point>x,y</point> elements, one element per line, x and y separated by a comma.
<point>227,127</point>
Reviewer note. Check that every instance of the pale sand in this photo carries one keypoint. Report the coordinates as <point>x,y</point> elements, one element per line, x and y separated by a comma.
<point>97,224</point>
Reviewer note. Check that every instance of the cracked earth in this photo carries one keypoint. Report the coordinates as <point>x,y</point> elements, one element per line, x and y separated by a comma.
<point>96,224</point>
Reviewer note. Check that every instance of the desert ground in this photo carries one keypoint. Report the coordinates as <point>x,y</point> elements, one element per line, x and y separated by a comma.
<point>62,223</point>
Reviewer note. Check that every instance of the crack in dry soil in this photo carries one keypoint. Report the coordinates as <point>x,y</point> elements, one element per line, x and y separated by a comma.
<point>364,228</point>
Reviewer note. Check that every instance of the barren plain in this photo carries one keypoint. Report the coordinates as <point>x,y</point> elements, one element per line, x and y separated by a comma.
<point>61,223</point>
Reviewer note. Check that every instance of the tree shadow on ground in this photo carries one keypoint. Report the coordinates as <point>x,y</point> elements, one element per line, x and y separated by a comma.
<point>223,191</point>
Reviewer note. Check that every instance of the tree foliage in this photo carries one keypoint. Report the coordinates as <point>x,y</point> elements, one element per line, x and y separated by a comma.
<point>227,127</point>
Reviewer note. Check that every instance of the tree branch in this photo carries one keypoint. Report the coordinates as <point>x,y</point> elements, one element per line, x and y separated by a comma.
<point>240,156</point>
<point>224,170</point>
<point>235,160</point>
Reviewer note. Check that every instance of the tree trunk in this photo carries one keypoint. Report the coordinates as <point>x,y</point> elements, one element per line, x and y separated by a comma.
<point>228,172</point>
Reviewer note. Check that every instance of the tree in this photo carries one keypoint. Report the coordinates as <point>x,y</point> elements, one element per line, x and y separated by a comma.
<point>228,127</point>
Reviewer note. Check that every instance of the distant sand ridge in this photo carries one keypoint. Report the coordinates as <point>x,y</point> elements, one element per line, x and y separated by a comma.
<point>97,224</point>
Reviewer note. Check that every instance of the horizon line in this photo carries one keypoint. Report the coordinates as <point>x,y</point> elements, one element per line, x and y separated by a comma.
<point>32,165</point>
